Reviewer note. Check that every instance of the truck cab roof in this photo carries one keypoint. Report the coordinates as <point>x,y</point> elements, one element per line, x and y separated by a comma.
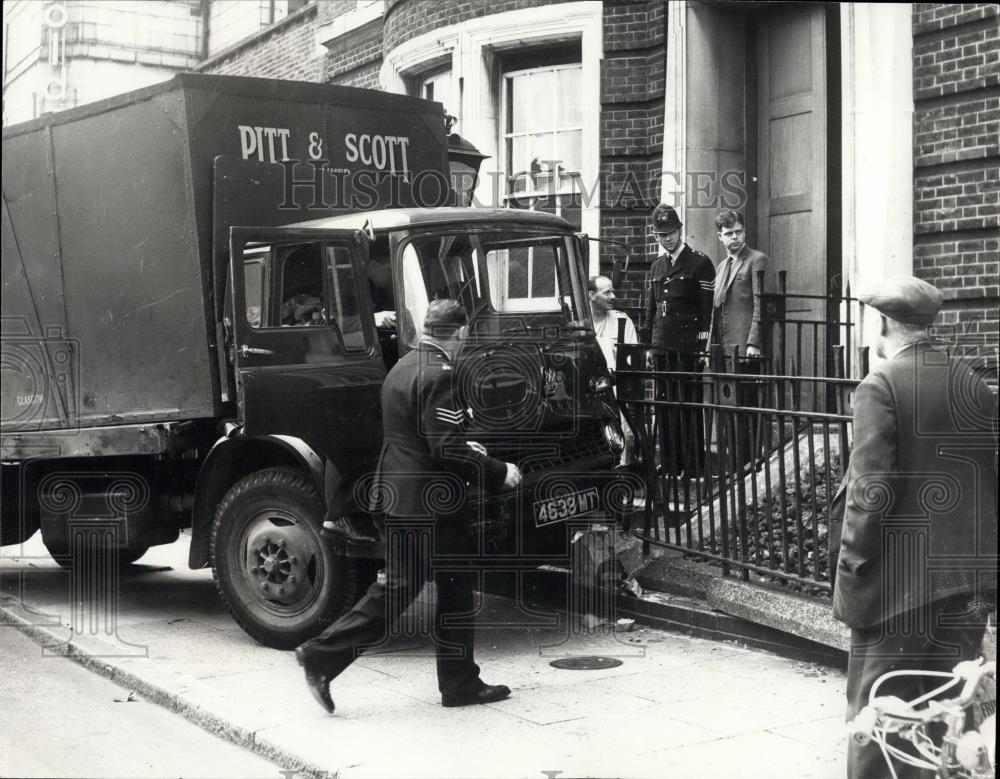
<point>386,220</point>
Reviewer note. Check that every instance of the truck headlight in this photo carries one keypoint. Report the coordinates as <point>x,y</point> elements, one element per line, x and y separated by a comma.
<point>614,436</point>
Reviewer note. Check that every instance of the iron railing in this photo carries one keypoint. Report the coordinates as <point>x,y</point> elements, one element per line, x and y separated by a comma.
<point>752,483</point>
<point>742,456</point>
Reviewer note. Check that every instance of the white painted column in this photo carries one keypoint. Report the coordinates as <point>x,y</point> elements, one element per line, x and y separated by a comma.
<point>674,169</point>
<point>877,148</point>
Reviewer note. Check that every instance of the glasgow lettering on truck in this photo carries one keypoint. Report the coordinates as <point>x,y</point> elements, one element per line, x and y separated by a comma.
<point>235,372</point>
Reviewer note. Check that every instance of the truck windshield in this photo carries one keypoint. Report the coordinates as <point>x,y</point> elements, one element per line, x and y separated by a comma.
<point>505,281</point>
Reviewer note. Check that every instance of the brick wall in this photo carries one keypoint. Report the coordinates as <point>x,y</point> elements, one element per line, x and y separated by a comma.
<point>956,159</point>
<point>354,59</point>
<point>633,77</point>
<point>284,50</point>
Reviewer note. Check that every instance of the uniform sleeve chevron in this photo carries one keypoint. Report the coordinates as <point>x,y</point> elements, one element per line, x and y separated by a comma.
<point>450,416</point>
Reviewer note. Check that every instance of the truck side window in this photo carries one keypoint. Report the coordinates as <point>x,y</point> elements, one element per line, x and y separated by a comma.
<point>254,282</point>
<point>301,285</point>
<point>343,297</point>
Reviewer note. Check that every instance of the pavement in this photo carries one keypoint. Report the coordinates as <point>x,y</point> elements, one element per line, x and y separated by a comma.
<point>675,707</point>
<point>39,691</point>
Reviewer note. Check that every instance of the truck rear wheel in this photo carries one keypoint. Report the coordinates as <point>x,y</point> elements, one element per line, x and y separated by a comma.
<point>281,582</point>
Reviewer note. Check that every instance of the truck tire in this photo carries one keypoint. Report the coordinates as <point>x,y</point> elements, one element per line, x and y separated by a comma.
<point>280,580</point>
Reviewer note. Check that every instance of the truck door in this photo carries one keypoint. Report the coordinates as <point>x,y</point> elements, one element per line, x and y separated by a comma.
<point>303,340</point>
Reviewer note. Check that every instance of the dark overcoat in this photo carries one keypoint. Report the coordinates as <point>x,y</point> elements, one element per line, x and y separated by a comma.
<point>920,522</point>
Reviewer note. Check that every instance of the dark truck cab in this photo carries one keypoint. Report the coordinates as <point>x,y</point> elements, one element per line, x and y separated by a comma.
<point>199,348</point>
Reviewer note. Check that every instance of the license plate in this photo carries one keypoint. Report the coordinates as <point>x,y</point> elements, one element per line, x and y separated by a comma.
<point>564,507</point>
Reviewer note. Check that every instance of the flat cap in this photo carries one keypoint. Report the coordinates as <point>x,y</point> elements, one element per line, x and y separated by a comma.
<point>665,219</point>
<point>904,298</point>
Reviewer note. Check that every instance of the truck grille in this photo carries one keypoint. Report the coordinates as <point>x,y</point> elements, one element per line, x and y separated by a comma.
<point>536,453</point>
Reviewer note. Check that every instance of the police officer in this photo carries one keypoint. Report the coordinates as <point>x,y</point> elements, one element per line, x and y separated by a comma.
<point>679,289</point>
<point>421,478</point>
<point>678,311</point>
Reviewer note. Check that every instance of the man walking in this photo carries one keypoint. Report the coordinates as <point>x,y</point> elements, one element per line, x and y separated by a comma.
<point>677,312</point>
<point>918,547</point>
<point>421,475</point>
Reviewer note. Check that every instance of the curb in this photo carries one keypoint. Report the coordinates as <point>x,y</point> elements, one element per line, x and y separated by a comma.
<point>693,617</point>
<point>668,577</point>
<point>153,693</point>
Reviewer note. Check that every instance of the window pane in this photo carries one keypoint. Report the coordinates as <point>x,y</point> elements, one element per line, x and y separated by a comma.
<point>517,154</point>
<point>343,298</point>
<point>541,99</point>
<point>517,273</point>
<point>301,286</point>
<point>253,284</point>
<point>569,149</point>
<point>517,104</point>
<point>543,273</point>
<point>541,152</point>
<point>571,96</point>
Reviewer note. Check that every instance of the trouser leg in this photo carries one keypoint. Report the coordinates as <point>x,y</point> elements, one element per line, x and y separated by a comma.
<point>455,631</point>
<point>372,620</point>
<point>903,644</point>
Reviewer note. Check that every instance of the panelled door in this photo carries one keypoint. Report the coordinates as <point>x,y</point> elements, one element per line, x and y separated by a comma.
<point>792,164</point>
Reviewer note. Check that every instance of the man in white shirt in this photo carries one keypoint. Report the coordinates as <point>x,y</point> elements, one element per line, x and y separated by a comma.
<point>606,325</point>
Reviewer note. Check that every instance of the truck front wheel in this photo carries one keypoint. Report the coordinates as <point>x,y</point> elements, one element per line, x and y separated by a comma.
<point>281,582</point>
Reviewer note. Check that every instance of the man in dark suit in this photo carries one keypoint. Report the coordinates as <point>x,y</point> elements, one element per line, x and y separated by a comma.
<point>677,311</point>
<point>918,547</point>
<point>420,484</point>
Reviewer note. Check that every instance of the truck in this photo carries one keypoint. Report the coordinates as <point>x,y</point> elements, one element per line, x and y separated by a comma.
<point>200,280</point>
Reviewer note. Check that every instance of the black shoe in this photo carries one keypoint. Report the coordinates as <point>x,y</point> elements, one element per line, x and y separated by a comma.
<point>319,685</point>
<point>488,693</point>
<point>346,529</point>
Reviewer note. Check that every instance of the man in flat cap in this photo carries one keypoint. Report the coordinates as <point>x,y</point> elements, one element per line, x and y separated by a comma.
<point>917,559</point>
<point>678,309</point>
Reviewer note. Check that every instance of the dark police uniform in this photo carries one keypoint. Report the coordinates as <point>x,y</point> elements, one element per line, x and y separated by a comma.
<point>420,486</point>
<point>678,310</point>
<point>679,300</point>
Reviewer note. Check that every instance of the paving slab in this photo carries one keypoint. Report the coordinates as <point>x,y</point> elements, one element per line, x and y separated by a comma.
<point>675,707</point>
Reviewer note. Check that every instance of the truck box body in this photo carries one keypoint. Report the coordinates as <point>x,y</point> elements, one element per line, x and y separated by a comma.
<point>116,219</point>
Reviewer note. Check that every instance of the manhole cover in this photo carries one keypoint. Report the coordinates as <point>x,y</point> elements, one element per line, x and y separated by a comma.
<point>588,663</point>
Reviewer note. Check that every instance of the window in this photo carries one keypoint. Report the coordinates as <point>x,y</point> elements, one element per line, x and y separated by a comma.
<point>343,297</point>
<point>438,87</point>
<point>543,139</point>
<point>313,286</point>
<point>530,274</point>
<point>254,275</point>
<point>491,274</point>
<point>301,286</point>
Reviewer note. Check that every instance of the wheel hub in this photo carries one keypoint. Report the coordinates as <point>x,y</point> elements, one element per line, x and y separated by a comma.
<point>277,560</point>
